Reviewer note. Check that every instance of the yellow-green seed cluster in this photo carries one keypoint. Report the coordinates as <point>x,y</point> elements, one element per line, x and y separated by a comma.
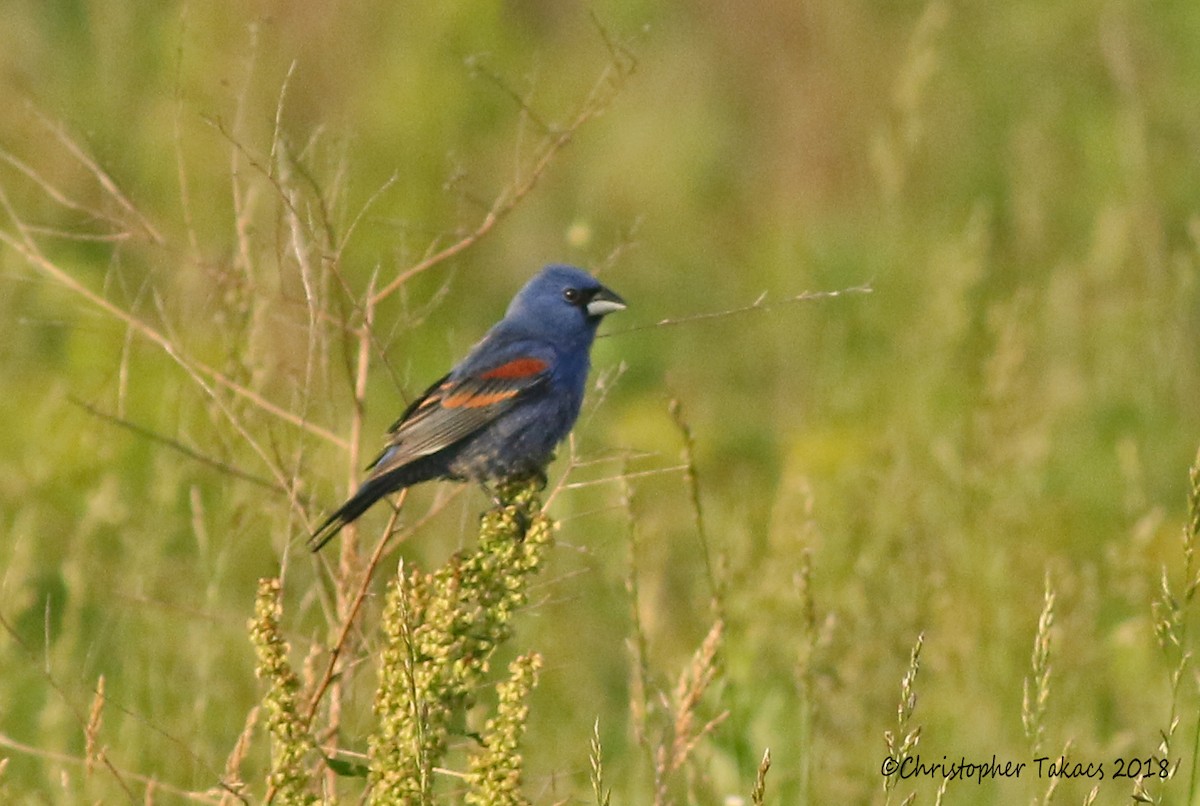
<point>291,742</point>
<point>441,629</point>
<point>496,770</point>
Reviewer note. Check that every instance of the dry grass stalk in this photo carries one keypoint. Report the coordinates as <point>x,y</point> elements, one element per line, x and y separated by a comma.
<point>901,743</point>
<point>1037,685</point>
<point>758,793</point>
<point>91,732</point>
<point>596,756</point>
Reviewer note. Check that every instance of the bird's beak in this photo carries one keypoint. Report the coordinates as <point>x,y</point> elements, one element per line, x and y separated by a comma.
<point>604,301</point>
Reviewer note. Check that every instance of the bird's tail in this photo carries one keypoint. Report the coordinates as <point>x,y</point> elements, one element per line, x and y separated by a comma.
<point>371,491</point>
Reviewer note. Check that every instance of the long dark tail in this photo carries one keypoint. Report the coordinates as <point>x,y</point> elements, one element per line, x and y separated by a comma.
<point>370,492</point>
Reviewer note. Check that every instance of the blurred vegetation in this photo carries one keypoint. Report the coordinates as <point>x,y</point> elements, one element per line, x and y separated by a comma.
<point>760,515</point>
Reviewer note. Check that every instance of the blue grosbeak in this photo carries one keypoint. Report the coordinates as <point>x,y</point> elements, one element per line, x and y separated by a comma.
<point>503,409</point>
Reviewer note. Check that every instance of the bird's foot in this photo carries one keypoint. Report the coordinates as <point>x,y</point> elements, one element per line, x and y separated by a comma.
<point>539,477</point>
<point>494,495</point>
<point>506,506</point>
<point>517,497</point>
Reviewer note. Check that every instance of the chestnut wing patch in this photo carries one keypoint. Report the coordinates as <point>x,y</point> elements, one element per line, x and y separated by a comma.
<point>451,410</point>
<point>520,368</point>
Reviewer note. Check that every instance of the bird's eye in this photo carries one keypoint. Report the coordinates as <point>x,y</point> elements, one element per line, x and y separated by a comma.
<point>571,295</point>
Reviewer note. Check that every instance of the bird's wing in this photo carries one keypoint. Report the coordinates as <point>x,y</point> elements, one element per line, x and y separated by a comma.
<point>456,407</point>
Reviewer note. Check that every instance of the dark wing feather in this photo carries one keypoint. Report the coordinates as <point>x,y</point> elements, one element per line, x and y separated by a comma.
<point>416,404</point>
<point>453,409</point>
<point>449,411</point>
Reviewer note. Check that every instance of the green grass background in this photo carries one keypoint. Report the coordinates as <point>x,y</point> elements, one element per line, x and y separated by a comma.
<point>1017,397</point>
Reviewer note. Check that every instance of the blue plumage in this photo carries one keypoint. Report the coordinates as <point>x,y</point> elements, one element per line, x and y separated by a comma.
<point>502,410</point>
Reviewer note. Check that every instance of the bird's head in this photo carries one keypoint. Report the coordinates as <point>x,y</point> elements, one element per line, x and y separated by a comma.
<point>565,300</point>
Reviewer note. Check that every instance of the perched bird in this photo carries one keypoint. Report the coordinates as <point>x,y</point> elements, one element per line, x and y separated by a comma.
<point>502,410</point>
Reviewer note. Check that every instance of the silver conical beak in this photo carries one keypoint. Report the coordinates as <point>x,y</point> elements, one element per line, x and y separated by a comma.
<point>605,302</point>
